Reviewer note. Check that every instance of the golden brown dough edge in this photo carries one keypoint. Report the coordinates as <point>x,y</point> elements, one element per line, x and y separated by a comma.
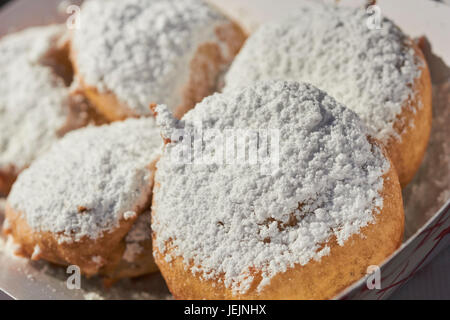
<point>108,250</point>
<point>7,177</point>
<point>205,69</point>
<point>322,279</point>
<point>407,153</point>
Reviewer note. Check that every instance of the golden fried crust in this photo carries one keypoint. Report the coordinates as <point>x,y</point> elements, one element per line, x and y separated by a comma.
<point>142,264</point>
<point>413,127</point>
<point>105,103</point>
<point>109,247</point>
<point>206,67</point>
<point>7,177</point>
<point>317,279</point>
<point>100,256</point>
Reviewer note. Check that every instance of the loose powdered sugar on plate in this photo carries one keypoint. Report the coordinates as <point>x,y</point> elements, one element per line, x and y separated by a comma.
<point>33,99</point>
<point>140,50</point>
<point>371,71</point>
<point>225,219</point>
<point>103,170</point>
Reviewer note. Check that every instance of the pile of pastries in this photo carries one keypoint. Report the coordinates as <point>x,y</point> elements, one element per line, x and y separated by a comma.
<point>158,136</point>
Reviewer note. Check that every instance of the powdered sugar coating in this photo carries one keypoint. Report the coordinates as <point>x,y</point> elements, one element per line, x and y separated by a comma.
<point>87,181</point>
<point>33,99</point>
<point>140,50</point>
<point>140,232</point>
<point>226,219</point>
<point>371,71</point>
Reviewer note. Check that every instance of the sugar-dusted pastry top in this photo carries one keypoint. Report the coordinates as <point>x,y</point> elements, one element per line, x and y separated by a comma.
<point>140,50</point>
<point>228,218</point>
<point>33,99</point>
<point>371,71</point>
<point>89,180</point>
